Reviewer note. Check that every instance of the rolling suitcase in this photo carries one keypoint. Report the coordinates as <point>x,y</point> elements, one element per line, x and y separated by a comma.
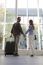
<point>9,47</point>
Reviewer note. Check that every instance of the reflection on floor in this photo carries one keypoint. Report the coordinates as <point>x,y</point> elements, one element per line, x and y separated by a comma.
<point>21,60</point>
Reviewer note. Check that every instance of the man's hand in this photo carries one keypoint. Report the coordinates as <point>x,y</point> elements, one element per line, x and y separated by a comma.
<point>11,35</point>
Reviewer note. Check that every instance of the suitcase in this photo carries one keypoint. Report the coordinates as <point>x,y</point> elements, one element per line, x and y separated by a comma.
<point>9,48</point>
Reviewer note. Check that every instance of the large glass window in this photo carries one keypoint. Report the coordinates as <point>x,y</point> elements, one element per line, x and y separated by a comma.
<point>32,3</point>
<point>1,35</point>
<point>22,3</point>
<point>10,10</point>
<point>41,4</point>
<point>10,3</point>
<point>2,3</point>
<point>41,32</point>
<point>2,16</point>
<point>10,15</point>
<point>26,9</point>
<point>2,10</point>
<point>8,28</point>
<point>41,23</point>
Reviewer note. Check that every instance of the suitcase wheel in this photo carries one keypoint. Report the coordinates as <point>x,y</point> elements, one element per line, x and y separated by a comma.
<point>5,54</point>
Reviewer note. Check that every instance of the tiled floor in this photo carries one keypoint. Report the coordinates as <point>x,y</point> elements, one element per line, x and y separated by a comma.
<point>21,60</point>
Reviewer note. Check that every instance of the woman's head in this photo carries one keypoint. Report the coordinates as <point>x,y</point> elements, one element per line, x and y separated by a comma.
<point>31,23</point>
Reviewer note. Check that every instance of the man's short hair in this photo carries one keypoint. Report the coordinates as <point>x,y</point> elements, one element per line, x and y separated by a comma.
<point>18,18</point>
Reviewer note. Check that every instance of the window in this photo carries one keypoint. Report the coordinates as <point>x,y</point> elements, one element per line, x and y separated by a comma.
<point>22,3</point>
<point>2,15</point>
<point>26,9</point>
<point>10,3</point>
<point>32,3</point>
<point>41,4</point>
<point>2,3</point>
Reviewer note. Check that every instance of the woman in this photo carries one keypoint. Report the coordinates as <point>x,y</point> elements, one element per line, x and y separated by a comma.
<point>31,36</point>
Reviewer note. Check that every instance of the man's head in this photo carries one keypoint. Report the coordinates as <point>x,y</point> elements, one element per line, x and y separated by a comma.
<point>18,19</point>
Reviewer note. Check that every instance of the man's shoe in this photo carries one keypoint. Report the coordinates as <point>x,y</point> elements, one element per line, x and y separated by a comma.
<point>32,55</point>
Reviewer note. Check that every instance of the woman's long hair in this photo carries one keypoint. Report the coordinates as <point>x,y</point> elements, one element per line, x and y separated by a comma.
<point>31,23</point>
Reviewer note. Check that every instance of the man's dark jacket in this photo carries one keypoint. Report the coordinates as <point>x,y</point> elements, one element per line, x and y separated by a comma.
<point>16,29</point>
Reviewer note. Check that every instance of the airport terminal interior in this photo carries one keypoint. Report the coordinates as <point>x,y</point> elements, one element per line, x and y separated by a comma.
<point>26,9</point>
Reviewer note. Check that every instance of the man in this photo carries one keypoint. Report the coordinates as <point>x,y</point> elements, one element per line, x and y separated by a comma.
<point>16,31</point>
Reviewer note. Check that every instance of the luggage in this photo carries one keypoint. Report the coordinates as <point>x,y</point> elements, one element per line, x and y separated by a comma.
<point>9,48</point>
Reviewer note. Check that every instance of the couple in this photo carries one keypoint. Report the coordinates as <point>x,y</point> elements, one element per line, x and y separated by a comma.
<point>17,30</point>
